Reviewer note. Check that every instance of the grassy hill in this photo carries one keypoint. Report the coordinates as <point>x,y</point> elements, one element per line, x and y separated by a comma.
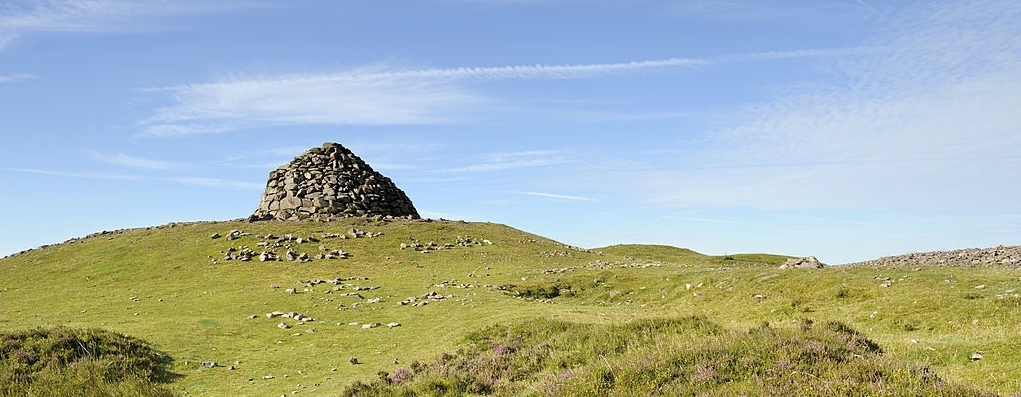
<point>171,286</point>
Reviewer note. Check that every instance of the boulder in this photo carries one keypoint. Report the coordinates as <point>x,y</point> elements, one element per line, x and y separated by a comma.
<point>808,262</point>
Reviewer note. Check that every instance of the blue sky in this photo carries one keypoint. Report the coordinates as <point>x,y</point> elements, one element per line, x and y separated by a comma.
<point>842,129</point>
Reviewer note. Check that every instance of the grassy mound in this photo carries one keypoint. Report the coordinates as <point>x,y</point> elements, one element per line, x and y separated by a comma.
<point>411,290</point>
<point>668,254</point>
<point>63,361</point>
<point>683,356</point>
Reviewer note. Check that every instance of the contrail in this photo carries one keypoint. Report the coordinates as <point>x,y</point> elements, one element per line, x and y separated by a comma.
<point>867,5</point>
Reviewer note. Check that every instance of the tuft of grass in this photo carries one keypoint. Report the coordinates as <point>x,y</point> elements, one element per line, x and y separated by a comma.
<point>62,361</point>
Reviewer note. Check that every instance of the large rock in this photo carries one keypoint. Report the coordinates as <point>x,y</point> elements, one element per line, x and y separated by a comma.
<point>327,182</point>
<point>808,262</point>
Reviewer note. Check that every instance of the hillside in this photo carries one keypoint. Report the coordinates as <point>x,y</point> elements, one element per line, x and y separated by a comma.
<point>173,287</point>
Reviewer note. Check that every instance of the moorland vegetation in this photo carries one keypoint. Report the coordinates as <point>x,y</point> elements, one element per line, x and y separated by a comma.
<point>422,307</point>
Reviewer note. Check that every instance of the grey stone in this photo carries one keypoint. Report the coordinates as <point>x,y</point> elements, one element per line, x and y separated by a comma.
<point>808,262</point>
<point>290,203</point>
<point>1007,256</point>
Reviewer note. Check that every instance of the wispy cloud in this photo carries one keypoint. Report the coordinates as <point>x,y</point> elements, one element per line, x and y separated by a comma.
<point>513,160</point>
<point>560,196</point>
<point>510,2</point>
<point>381,95</point>
<point>19,17</point>
<point>353,98</point>
<point>14,78</point>
<point>770,11</point>
<point>83,174</point>
<point>194,181</point>
<point>928,123</point>
<point>135,162</point>
<point>219,183</point>
<point>705,220</point>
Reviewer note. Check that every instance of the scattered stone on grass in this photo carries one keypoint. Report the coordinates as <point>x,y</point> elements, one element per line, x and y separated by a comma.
<point>1008,256</point>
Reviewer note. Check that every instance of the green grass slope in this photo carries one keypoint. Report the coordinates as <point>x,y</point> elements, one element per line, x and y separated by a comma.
<point>172,287</point>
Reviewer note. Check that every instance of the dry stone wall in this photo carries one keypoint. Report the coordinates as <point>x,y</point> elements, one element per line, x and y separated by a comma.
<point>331,182</point>
<point>996,256</point>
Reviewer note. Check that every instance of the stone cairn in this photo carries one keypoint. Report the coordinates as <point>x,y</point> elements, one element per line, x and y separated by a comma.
<point>330,182</point>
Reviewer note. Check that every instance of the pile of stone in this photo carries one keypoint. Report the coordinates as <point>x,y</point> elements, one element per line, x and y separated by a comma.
<point>331,254</point>
<point>425,248</point>
<point>600,265</point>
<point>808,262</point>
<point>295,315</point>
<point>356,233</point>
<point>232,235</point>
<point>453,284</point>
<point>423,300</point>
<point>331,182</point>
<point>245,254</point>
<point>335,281</point>
<point>996,256</point>
<point>286,239</point>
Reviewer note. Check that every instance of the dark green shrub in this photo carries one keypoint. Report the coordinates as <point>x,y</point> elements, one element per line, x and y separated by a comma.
<point>89,362</point>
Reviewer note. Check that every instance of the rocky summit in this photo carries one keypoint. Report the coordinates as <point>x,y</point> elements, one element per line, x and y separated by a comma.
<point>329,182</point>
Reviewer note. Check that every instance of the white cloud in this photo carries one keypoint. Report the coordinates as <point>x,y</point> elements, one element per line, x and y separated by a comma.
<point>928,122</point>
<point>83,174</point>
<point>770,11</point>
<point>135,162</point>
<point>220,183</point>
<point>19,17</point>
<point>505,2</point>
<point>513,160</point>
<point>704,220</point>
<point>194,181</point>
<point>560,196</point>
<point>379,95</point>
<point>14,78</point>
<point>351,98</point>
